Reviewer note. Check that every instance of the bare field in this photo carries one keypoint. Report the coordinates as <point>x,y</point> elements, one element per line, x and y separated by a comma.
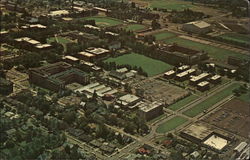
<point>233,116</point>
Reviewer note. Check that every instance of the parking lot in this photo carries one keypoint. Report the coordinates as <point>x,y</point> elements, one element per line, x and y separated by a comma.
<point>156,90</point>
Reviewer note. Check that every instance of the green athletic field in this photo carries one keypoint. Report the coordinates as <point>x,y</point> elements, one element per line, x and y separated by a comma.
<point>214,52</point>
<point>149,65</point>
<point>169,4</point>
<point>182,103</point>
<point>134,27</point>
<point>199,108</point>
<point>170,124</point>
<point>104,21</point>
<point>163,35</point>
<point>245,39</point>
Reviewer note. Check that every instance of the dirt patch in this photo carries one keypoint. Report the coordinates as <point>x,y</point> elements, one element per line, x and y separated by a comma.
<point>232,116</point>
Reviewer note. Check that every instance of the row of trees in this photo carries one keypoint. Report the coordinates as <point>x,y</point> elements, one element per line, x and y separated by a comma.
<point>185,16</point>
<point>113,66</point>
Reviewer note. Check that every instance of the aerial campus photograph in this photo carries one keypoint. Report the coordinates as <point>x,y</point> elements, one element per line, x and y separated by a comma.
<point>124,80</point>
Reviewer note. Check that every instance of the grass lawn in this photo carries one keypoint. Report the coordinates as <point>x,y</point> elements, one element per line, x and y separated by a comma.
<point>104,21</point>
<point>149,65</point>
<point>134,27</point>
<point>199,108</point>
<point>170,124</point>
<point>214,52</point>
<point>236,37</point>
<point>182,103</point>
<point>169,4</point>
<point>163,35</point>
<point>157,118</point>
<point>60,40</point>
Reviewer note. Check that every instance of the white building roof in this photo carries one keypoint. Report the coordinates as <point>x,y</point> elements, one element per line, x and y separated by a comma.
<point>79,9</point>
<point>112,92</point>
<point>43,46</point>
<point>196,78</point>
<point>37,26</point>
<point>169,72</point>
<point>4,32</point>
<point>112,33</point>
<point>216,142</point>
<point>71,58</point>
<point>130,74</point>
<point>101,9</point>
<point>183,67</point>
<point>87,54</point>
<point>146,107</point>
<point>215,77</point>
<point>87,63</point>
<point>58,13</point>
<point>204,83</point>
<point>122,70</point>
<point>27,39</point>
<point>97,51</point>
<point>185,73</point>
<point>92,27</point>
<point>22,39</point>
<point>67,19</point>
<point>240,147</point>
<point>200,24</point>
<point>129,98</point>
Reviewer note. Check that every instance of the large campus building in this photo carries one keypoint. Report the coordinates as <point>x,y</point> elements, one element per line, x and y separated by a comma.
<point>56,76</point>
<point>175,54</point>
<point>206,136</point>
<point>199,27</point>
<point>149,111</point>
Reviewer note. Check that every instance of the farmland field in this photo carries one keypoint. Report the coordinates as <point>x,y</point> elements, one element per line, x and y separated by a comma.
<point>214,52</point>
<point>169,4</point>
<point>199,108</point>
<point>104,21</point>
<point>182,103</point>
<point>134,27</point>
<point>163,35</point>
<point>171,124</point>
<point>236,112</point>
<point>149,65</point>
<point>240,38</point>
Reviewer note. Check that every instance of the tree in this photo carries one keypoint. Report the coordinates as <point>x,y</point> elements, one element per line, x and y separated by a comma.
<point>133,5</point>
<point>94,97</point>
<point>69,117</point>
<point>236,92</point>
<point>67,149</point>
<point>102,131</point>
<point>155,24</point>
<point>130,128</point>
<point>175,155</point>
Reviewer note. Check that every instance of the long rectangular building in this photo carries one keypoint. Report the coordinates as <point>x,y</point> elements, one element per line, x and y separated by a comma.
<point>56,76</point>
<point>197,79</point>
<point>149,111</point>
<point>185,75</point>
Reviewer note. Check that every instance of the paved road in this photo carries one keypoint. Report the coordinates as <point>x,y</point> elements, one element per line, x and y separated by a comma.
<point>138,142</point>
<point>86,147</point>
